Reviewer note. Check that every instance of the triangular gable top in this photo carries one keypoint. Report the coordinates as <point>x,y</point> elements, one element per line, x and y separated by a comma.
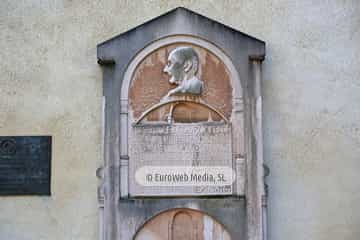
<point>179,21</point>
<point>181,11</point>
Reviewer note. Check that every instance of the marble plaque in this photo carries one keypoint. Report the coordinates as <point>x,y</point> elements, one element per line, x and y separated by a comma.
<point>198,146</point>
<point>182,113</point>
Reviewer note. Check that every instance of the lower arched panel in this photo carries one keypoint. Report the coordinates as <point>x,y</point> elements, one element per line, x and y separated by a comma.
<point>182,224</point>
<point>182,218</point>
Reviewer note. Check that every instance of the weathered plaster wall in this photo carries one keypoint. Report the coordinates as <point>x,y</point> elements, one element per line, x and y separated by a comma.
<point>50,84</point>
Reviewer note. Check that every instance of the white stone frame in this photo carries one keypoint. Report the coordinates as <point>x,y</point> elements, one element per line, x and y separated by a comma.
<point>237,116</point>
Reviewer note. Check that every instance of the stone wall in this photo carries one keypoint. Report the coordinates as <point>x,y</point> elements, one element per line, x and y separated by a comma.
<point>50,84</point>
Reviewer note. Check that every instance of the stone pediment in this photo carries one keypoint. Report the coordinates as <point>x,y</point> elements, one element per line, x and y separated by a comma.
<point>182,128</point>
<point>179,21</point>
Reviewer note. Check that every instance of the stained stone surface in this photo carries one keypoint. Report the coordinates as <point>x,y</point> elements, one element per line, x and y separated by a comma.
<point>174,222</point>
<point>151,83</point>
<point>51,85</point>
<point>180,145</point>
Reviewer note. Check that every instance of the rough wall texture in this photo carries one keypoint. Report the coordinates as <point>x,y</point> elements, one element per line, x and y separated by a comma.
<point>50,84</point>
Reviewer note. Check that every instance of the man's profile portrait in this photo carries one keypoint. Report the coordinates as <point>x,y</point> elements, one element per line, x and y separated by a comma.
<point>182,66</point>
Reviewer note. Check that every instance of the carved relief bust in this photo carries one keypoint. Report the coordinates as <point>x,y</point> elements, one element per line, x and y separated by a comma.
<point>180,82</point>
<point>179,102</point>
<point>198,75</point>
<point>182,66</point>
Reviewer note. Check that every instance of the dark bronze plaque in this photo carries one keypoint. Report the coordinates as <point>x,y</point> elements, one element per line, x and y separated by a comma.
<point>25,165</point>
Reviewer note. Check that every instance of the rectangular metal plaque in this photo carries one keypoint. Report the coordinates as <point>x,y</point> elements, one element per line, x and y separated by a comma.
<point>25,165</point>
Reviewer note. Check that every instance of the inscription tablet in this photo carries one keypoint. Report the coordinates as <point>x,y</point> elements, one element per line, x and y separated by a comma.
<point>25,165</point>
<point>174,146</point>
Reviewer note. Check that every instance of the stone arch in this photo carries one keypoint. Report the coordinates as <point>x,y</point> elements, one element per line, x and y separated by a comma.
<point>235,78</point>
<point>182,224</point>
<point>226,112</point>
<point>210,112</point>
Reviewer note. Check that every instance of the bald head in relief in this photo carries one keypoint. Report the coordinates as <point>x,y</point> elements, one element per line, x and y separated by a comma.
<point>182,66</point>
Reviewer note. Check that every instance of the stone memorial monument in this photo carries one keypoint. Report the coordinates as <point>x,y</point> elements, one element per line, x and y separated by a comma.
<point>182,132</point>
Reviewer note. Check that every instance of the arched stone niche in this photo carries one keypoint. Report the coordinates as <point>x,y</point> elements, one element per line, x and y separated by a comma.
<point>226,212</point>
<point>182,224</point>
<point>178,131</point>
<point>213,119</point>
